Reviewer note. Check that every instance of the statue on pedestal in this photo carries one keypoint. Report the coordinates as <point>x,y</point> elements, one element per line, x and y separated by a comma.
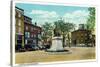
<point>57,32</point>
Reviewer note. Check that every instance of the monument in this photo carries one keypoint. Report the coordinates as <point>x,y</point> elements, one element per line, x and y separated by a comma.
<point>57,45</point>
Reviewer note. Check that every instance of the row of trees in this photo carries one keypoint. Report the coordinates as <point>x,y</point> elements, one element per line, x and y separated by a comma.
<point>63,27</point>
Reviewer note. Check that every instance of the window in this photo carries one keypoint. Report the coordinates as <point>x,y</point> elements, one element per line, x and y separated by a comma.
<point>34,35</point>
<point>19,37</point>
<point>19,22</point>
<point>85,34</point>
<point>31,28</point>
<point>27,34</point>
<point>25,41</point>
<point>19,14</point>
<point>31,35</point>
<point>39,36</point>
<point>19,30</point>
<point>81,40</point>
<point>35,29</point>
<point>34,41</point>
<point>39,32</point>
<point>26,27</point>
<point>81,34</point>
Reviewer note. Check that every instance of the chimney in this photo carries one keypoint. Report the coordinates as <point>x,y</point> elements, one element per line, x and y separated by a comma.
<point>35,24</point>
<point>81,26</point>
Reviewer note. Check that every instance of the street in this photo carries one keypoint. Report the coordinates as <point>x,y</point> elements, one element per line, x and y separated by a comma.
<point>77,53</point>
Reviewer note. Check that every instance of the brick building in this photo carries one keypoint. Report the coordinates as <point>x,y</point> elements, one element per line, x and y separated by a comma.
<point>27,34</point>
<point>31,32</point>
<point>19,30</point>
<point>81,37</point>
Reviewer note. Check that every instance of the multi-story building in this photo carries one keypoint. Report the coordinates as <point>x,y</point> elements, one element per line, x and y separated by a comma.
<point>27,31</point>
<point>81,37</point>
<point>27,34</point>
<point>31,32</point>
<point>19,30</point>
<point>35,34</point>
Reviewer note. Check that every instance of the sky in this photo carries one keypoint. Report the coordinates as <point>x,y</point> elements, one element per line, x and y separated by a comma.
<point>51,13</point>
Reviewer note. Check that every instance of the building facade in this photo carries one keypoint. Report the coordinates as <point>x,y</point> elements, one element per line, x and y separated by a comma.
<point>19,30</point>
<point>26,34</point>
<point>80,37</point>
<point>27,31</point>
<point>31,32</point>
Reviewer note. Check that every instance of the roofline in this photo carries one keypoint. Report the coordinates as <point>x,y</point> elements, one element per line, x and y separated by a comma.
<point>27,17</point>
<point>81,30</point>
<point>33,25</point>
<point>19,8</point>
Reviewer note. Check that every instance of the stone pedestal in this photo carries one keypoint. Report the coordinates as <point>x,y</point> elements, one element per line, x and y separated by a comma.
<point>56,44</point>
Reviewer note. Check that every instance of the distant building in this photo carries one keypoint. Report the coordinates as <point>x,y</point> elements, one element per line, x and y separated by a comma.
<point>19,30</point>
<point>81,37</point>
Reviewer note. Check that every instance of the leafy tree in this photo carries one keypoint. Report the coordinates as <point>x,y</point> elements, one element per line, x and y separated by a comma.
<point>47,28</point>
<point>90,24</point>
<point>65,28</point>
<point>91,19</point>
<point>47,31</point>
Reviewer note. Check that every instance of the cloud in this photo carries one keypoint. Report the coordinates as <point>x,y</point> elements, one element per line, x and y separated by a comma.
<point>45,14</point>
<point>77,17</point>
<point>80,13</point>
<point>41,16</point>
<point>50,15</point>
<point>38,12</point>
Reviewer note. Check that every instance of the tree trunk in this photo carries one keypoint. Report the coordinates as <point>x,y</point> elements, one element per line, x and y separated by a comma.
<point>63,40</point>
<point>69,41</point>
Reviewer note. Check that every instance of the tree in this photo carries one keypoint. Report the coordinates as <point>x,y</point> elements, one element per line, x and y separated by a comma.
<point>91,19</point>
<point>90,24</point>
<point>47,31</point>
<point>65,28</point>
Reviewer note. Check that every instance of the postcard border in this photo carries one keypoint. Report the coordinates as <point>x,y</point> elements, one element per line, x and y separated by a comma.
<point>44,3</point>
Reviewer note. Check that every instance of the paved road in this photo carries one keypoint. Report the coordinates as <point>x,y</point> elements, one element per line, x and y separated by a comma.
<point>76,53</point>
